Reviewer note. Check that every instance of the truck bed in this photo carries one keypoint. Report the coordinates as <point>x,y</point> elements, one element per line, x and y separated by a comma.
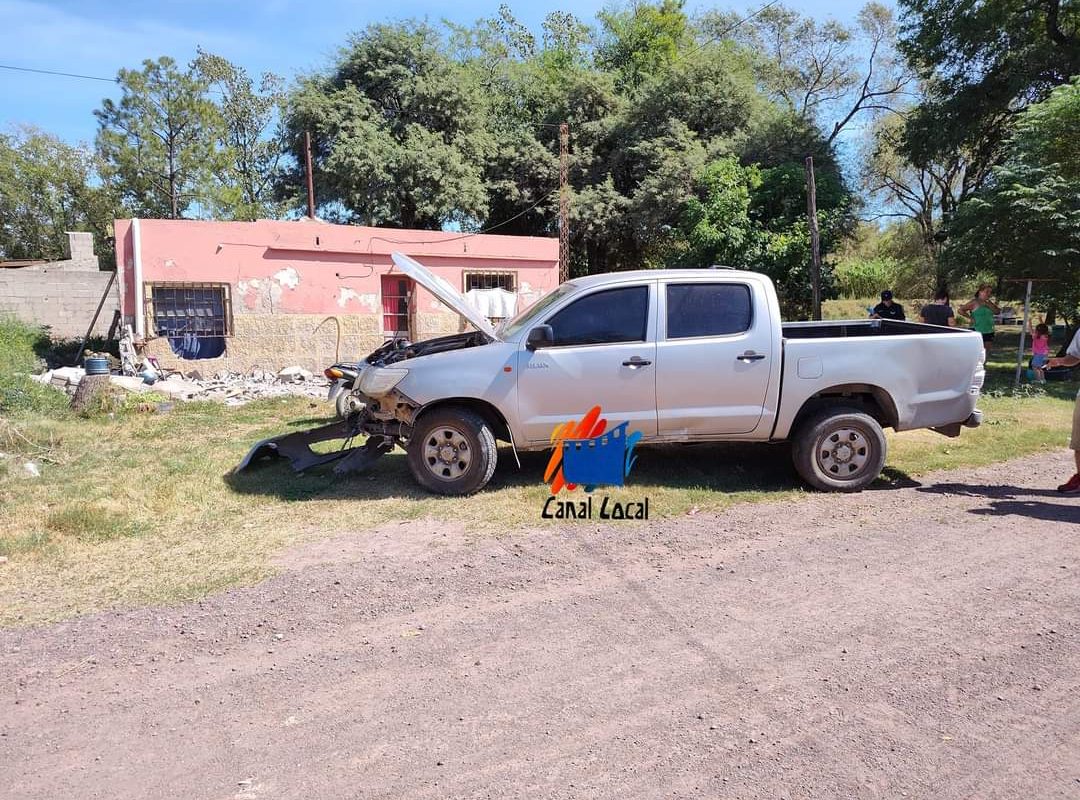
<point>860,327</point>
<point>925,375</point>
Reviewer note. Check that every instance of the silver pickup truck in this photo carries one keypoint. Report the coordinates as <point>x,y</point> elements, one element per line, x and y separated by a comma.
<point>693,355</point>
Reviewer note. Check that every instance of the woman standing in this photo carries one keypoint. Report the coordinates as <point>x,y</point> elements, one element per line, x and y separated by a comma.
<point>982,311</point>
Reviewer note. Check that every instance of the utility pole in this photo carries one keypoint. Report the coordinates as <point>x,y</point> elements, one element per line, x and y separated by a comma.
<point>310,180</point>
<point>564,202</point>
<point>815,237</point>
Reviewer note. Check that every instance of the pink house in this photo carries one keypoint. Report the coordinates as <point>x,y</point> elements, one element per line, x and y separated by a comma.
<point>269,294</point>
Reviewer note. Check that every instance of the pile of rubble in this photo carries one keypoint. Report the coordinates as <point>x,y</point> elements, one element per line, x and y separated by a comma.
<point>231,388</point>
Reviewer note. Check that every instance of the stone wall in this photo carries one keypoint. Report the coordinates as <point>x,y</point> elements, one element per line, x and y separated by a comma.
<point>273,341</point>
<point>61,295</point>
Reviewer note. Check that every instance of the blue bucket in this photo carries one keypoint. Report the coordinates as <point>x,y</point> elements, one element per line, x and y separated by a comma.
<point>96,365</point>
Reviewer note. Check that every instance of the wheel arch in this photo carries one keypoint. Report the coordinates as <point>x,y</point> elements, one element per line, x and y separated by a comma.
<point>491,414</point>
<point>865,397</point>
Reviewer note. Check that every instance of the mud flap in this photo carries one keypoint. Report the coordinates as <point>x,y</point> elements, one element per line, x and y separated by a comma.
<point>297,448</point>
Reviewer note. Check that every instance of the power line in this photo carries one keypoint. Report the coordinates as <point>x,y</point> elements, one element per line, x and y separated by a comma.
<point>211,90</point>
<point>61,74</point>
<point>469,235</point>
<point>729,29</point>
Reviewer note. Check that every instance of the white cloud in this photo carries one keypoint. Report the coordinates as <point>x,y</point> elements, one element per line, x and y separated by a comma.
<point>46,37</point>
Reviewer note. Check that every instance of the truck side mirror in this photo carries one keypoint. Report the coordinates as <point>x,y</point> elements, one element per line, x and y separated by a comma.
<point>540,336</point>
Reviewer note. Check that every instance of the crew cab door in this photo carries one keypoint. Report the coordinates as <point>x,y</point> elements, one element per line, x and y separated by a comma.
<point>714,356</point>
<point>604,353</point>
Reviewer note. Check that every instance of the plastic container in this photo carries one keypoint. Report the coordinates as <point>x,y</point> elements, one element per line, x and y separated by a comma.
<point>96,365</point>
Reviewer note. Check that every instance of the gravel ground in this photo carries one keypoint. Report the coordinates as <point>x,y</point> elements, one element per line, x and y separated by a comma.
<point>913,642</point>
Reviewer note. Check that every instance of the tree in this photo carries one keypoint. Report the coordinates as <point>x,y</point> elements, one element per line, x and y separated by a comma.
<point>398,129</point>
<point>716,220</point>
<point>750,217</point>
<point>245,175</point>
<point>642,40</point>
<point>48,187</point>
<point>981,63</point>
<point>1026,221</point>
<point>423,127</point>
<point>827,72</point>
<point>644,160</point>
<point>158,143</point>
<point>925,194</point>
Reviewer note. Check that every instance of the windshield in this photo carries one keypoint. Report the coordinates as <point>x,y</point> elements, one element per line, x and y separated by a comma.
<point>515,324</point>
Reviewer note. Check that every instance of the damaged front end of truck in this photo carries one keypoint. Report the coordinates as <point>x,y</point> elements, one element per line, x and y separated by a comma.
<point>385,418</point>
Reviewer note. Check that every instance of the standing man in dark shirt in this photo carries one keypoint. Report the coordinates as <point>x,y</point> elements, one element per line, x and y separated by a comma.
<point>939,312</point>
<point>887,309</point>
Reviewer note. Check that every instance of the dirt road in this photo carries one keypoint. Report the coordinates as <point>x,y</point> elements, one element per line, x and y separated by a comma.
<point>920,641</point>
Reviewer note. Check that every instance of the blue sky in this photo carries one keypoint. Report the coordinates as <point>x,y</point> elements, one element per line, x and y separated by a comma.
<point>93,37</point>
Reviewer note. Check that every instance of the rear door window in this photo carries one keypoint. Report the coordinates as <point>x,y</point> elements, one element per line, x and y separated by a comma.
<point>707,309</point>
<point>606,317</point>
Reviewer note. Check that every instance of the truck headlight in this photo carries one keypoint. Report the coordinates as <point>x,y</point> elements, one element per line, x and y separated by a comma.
<point>379,381</point>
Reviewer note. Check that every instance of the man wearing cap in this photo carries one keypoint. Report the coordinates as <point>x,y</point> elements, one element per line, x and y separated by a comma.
<point>887,309</point>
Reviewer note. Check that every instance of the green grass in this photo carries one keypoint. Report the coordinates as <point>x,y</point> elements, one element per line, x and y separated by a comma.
<point>139,507</point>
<point>18,360</point>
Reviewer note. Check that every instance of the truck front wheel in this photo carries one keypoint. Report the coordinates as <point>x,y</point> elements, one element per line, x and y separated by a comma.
<point>839,450</point>
<point>452,451</point>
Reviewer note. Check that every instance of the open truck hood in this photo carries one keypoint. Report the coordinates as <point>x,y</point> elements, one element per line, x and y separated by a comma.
<point>442,289</point>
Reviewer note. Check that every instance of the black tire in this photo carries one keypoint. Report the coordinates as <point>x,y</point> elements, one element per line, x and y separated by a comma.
<point>452,451</point>
<point>347,403</point>
<point>839,449</point>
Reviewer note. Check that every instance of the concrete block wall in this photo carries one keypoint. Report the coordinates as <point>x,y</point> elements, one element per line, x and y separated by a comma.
<point>61,295</point>
<point>273,341</point>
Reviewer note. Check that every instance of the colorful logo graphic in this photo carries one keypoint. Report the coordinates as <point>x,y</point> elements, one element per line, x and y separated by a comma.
<point>584,453</point>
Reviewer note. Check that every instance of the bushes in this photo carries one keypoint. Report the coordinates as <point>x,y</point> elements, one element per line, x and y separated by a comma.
<point>18,360</point>
<point>18,345</point>
<point>865,278</point>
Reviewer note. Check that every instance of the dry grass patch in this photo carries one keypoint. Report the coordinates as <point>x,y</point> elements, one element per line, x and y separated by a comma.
<point>140,508</point>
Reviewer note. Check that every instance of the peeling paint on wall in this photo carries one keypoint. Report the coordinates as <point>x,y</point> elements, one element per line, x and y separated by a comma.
<point>368,301</point>
<point>287,277</point>
<point>259,295</point>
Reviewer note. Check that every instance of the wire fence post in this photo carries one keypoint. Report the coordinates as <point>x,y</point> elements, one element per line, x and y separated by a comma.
<point>1023,334</point>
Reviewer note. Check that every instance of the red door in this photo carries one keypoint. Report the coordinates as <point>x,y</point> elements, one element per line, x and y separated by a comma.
<point>397,295</point>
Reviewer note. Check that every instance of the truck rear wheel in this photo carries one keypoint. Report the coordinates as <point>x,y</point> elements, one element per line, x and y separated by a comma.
<point>839,449</point>
<point>452,451</point>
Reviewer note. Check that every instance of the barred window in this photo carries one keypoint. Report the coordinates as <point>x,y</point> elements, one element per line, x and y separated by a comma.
<point>482,279</point>
<point>199,310</point>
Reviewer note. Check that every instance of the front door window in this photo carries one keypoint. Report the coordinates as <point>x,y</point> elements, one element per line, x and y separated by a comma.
<point>397,302</point>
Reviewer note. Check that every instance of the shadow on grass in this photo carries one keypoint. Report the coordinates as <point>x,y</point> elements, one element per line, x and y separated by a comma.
<point>310,422</point>
<point>893,478</point>
<point>706,468</point>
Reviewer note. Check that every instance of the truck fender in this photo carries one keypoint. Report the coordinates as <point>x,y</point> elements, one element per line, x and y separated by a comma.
<point>488,411</point>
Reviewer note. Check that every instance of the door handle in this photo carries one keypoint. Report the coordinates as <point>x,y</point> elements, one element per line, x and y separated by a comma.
<point>749,356</point>
<point>635,362</point>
